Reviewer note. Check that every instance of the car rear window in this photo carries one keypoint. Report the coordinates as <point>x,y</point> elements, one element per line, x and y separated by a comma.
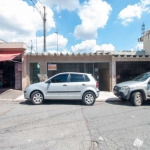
<point>86,78</point>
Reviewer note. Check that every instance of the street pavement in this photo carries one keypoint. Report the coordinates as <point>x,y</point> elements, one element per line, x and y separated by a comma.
<point>17,95</point>
<point>70,125</point>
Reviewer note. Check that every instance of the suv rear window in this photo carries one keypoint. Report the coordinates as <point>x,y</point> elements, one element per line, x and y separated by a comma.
<point>76,78</point>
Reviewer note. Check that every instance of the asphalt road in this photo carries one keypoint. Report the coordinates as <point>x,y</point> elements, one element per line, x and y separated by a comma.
<point>69,125</point>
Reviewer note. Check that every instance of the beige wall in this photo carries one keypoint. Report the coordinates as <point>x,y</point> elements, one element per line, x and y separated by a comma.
<point>44,59</point>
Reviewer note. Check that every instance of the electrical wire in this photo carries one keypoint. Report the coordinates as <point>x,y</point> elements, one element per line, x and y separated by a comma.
<point>34,4</point>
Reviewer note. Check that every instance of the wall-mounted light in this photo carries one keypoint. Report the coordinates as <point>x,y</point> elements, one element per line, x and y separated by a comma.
<point>38,65</point>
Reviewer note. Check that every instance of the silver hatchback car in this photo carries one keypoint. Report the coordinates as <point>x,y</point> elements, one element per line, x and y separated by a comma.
<point>64,86</point>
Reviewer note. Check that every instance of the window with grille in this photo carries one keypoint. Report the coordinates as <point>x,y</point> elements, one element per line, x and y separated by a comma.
<point>34,71</point>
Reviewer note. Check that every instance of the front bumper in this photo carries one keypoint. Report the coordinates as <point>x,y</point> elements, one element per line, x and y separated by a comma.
<point>26,95</point>
<point>123,94</point>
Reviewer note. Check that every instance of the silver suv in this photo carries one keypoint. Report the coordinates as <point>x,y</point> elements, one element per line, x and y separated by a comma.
<point>136,90</point>
<point>67,85</point>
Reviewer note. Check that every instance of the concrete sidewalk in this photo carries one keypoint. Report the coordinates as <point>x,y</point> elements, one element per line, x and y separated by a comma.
<point>107,96</point>
<point>17,96</point>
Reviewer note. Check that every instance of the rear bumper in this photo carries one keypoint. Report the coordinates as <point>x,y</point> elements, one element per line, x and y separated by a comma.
<point>97,94</point>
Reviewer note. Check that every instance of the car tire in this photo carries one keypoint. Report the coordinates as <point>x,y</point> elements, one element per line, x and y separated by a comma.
<point>137,99</point>
<point>88,98</point>
<point>37,98</point>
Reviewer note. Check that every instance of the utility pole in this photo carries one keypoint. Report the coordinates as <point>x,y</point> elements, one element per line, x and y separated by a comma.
<point>44,28</point>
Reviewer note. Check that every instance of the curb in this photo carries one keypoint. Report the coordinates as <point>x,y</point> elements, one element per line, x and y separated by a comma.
<point>104,97</point>
<point>97,100</point>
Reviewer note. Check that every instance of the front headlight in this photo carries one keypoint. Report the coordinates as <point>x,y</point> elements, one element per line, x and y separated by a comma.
<point>26,87</point>
<point>125,88</point>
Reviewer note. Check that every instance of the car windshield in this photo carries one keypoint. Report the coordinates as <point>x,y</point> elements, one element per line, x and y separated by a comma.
<point>142,77</point>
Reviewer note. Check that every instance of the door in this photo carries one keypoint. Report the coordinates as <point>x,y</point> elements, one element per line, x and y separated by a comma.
<point>18,76</point>
<point>57,88</point>
<point>104,80</point>
<point>76,85</point>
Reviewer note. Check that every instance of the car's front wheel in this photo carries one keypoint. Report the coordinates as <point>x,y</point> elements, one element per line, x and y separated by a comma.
<point>137,99</point>
<point>89,98</point>
<point>37,98</point>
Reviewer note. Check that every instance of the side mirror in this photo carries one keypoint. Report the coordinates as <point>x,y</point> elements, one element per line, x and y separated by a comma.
<point>49,81</point>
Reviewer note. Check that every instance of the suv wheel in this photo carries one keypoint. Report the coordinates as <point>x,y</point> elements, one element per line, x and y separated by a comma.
<point>88,98</point>
<point>37,98</point>
<point>136,99</point>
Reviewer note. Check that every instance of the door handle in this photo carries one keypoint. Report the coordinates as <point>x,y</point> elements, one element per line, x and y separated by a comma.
<point>64,85</point>
<point>83,84</point>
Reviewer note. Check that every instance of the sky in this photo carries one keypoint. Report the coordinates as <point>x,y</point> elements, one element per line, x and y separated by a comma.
<point>75,26</point>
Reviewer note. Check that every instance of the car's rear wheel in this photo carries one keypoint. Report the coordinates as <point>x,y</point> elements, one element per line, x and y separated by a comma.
<point>88,98</point>
<point>37,98</point>
<point>137,99</point>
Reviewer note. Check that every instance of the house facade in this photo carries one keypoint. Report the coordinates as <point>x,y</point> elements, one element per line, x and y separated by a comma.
<point>107,68</point>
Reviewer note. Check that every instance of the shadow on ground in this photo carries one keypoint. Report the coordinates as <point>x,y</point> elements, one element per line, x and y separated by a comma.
<point>127,103</point>
<point>55,102</point>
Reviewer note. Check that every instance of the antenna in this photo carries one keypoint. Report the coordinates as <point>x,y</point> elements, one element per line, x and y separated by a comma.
<point>36,41</point>
<point>143,30</point>
<point>31,46</point>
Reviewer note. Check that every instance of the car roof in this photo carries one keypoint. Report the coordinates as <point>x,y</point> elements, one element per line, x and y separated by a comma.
<point>74,73</point>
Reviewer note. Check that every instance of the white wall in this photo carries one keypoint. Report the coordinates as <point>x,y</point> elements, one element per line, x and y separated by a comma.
<point>146,42</point>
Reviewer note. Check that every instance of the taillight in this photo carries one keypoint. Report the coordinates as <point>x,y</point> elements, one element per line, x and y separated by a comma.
<point>96,84</point>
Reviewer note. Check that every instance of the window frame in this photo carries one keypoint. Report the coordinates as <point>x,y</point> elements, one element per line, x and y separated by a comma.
<point>60,75</point>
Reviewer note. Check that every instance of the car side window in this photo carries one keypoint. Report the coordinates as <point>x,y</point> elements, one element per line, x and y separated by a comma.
<point>76,78</point>
<point>60,78</point>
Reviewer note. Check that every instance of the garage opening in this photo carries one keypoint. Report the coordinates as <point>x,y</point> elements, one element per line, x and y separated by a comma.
<point>129,70</point>
<point>11,73</point>
<point>7,70</point>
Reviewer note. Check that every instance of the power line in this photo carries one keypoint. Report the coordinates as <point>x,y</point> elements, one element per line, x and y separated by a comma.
<point>34,4</point>
<point>44,23</point>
